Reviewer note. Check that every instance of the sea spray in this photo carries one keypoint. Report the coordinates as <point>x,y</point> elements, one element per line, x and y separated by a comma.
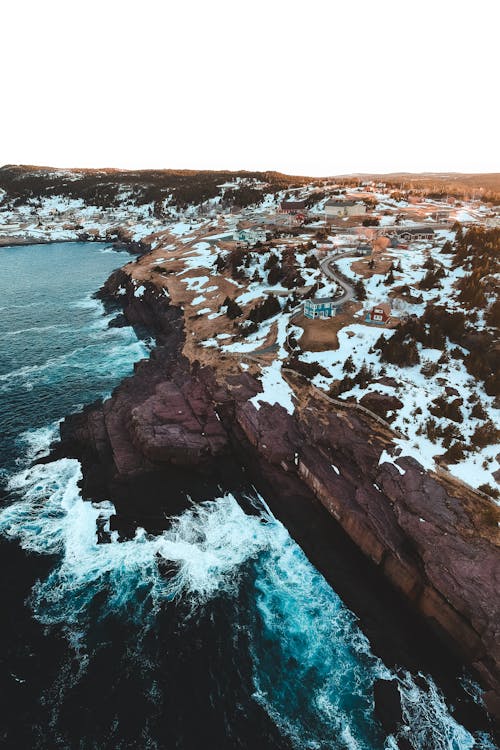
<point>313,670</point>
<point>207,545</point>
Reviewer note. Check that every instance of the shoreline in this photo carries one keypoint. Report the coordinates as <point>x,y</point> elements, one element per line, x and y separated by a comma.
<point>131,246</point>
<point>404,637</point>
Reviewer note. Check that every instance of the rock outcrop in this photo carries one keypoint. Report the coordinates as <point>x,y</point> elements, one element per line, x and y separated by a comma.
<point>433,539</point>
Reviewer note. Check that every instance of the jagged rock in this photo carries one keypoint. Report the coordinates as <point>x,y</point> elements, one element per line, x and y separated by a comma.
<point>119,321</point>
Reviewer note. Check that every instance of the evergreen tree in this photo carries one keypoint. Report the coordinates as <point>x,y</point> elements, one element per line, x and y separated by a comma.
<point>233,309</point>
<point>389,279</point>
<point>360,290</point>
<point>349,365</point>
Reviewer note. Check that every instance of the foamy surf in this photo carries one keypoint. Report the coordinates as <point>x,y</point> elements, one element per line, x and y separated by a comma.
<point>207,545</point>
<point>313,670</point>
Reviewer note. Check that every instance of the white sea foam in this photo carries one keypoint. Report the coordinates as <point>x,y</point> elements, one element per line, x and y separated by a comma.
<point>36,442</point>
<point>313,669</point>
<point>427,716</point>
<point>207,544</point>
<point>33,329</point>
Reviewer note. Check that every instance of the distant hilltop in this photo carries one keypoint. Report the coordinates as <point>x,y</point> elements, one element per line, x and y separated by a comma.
<point>181,187</point>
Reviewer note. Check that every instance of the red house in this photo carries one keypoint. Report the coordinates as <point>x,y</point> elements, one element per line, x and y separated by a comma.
<point>379,314</point>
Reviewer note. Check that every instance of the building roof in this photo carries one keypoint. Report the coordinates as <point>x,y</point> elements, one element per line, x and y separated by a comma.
<point>340,203</point>
<point>416,230</point>
<point>321,300</point>
<point>294,204</point>
<point>384,306</point>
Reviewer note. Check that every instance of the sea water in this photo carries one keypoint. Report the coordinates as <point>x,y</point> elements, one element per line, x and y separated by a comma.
<point>240,644</point>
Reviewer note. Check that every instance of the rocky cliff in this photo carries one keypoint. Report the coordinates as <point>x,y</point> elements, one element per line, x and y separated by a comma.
<point>174,422</point>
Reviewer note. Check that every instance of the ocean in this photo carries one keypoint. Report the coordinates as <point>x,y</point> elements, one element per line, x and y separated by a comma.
<point>240,644</point>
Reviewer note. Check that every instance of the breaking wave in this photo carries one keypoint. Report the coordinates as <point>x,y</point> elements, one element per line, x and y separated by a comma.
<point>207,545</point>
<point>313,670</point>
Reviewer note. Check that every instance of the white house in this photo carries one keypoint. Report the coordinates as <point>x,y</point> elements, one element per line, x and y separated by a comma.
<point>340,208</point>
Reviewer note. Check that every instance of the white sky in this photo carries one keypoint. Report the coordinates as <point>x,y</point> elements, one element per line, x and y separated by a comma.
<point>313,87</point>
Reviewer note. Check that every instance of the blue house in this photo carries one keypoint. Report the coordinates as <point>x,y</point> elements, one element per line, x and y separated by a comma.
<point>319,308</point>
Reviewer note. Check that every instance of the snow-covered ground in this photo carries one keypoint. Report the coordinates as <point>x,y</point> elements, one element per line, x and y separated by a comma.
<point>415,386</point>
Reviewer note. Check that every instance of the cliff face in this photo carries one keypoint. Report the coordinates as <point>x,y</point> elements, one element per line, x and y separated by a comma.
<point>172,421</point>
<point>437,543</point>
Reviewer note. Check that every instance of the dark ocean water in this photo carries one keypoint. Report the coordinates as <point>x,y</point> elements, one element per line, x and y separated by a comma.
<point>246,646</point>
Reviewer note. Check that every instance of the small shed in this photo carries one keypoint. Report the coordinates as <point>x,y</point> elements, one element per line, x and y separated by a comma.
<point>319,308</point>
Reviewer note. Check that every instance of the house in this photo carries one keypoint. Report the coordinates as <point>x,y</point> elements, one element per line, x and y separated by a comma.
<point>335,208</point>
<point>319,308</point>
<point>293,207</point>
<point>379,314</point>
<point>250,236</point>
<point>414,234</point>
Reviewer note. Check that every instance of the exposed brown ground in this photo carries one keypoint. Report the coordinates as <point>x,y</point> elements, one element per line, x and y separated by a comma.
<point>321,335</point>
<point>382,263</point>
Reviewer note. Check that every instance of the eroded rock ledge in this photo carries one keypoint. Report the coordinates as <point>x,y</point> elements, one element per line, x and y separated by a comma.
<point>174,421</point>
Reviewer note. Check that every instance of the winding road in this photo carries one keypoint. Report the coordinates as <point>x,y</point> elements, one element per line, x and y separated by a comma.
<point>326,267</point>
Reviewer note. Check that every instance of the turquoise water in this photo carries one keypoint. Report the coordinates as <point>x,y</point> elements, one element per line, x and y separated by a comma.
<point>57,352</point>
<point>244,645</point>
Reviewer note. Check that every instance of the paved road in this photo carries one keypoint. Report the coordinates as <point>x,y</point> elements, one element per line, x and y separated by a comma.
<point>326,267</point>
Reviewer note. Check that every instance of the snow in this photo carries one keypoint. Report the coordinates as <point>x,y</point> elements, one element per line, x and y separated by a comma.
<point>199,300</point>
<point>195,283</point>
<point>180,228</point>
<point>386,458</point>
<point>139,292</point>
<point>275,389</point>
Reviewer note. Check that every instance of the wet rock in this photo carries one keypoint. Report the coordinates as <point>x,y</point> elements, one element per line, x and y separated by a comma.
<point>119,321</point>
<point>388,705</point>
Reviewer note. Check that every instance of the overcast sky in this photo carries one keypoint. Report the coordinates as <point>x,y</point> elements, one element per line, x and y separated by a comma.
<point>314,87</point>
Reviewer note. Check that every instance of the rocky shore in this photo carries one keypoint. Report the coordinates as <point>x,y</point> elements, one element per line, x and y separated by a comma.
<point>417,542</point>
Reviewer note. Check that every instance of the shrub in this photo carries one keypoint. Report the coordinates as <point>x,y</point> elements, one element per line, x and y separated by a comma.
<point>489,490</point>
<point>307,369</point>
<point>485,434</point>
<point>349,365</point>
<point>360,290</point>
<point>454,454</point>
<point>478,412</point>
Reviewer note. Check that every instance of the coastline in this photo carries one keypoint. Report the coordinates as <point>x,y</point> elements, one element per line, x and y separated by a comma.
<point>409,640</point>
<point>130,246</point>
